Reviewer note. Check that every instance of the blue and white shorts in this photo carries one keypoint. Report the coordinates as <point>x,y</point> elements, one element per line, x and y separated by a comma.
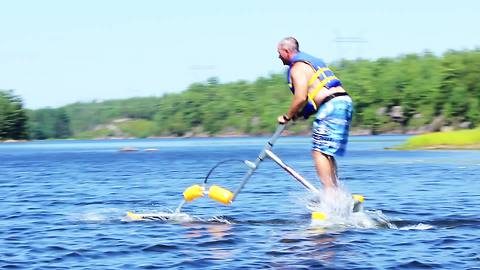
<point>331,125</point>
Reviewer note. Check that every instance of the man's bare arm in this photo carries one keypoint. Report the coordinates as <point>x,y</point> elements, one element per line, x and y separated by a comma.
<point>300,73</point>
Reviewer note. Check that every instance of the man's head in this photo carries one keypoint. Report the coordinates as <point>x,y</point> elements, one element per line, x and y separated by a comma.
<point>287,48</point>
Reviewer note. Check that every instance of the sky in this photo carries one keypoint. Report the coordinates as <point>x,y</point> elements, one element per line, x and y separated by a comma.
<point>54,53</point>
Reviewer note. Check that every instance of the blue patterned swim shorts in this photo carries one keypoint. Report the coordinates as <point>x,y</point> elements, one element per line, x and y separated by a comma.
<point>331,125</point>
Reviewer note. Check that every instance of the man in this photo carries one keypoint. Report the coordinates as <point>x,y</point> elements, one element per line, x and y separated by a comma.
<point>318,91</point>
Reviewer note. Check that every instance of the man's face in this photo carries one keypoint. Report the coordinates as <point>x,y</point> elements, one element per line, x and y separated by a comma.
<point>283,55</point>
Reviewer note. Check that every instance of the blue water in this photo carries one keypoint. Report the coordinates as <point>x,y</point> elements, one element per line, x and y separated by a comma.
<point>64,206</point>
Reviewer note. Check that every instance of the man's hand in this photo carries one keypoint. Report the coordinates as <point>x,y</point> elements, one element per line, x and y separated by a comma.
<point>283,119</point>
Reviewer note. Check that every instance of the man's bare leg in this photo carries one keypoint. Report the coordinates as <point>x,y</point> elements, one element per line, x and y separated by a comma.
<point>326,169</point>
<point>334,169</point>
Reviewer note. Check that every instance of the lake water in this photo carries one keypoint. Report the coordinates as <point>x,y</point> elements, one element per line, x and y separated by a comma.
<point>64,206</point>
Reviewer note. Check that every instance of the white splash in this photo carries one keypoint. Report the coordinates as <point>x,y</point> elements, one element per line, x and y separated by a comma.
<point>419,227</point>
<point>338,206</point>
<point>93,217</point>
<point>178,217</point>
<point>381,219</point>
<point>97,215</point>
<point>219,220</point>
<point>174,217</point>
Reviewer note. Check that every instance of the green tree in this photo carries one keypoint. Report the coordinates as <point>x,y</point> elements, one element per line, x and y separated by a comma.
<point>49,123</point>
<point>13,119</point>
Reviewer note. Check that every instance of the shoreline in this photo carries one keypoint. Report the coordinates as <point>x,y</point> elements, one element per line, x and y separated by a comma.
<point>441,145</point>
<point>197,136</point>
<point>397,148</point>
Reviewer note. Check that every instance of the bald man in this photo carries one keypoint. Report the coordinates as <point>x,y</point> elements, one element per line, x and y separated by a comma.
<point>317,91</point>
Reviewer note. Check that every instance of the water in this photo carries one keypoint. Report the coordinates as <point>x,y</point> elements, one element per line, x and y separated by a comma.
<point>64,206</point>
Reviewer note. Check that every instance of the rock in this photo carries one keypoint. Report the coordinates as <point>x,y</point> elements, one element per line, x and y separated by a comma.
<point>446,129</point>
<point>13,141</point>
<point>189,134</point>
<point>421,130</point>
<point>465,125</point>
<point>436,124</point>
<point>128,149</point>
<point>396,112</point>
<point>121,120</point>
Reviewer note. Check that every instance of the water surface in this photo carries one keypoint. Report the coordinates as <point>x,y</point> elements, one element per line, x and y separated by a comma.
<point>64,205</point>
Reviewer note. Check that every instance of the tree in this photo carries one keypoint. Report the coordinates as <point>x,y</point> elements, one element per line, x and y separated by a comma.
<point>49,123</point>
<point>13,119</point>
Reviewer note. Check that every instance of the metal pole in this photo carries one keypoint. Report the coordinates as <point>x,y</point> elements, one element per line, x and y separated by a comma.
<point>292,172</point>
<point>261,156</point>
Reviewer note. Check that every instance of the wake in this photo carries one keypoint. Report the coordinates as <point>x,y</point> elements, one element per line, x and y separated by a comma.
<point>340,211</point>
<point>337,211</point>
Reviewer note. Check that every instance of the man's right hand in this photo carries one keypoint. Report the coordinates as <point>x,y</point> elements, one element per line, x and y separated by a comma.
<point>283,119</point>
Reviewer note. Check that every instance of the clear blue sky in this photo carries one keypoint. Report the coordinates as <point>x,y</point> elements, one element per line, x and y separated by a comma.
<point>57,52</point>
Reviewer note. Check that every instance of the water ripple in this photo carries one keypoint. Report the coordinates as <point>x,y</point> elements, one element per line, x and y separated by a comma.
<point>65,207</point>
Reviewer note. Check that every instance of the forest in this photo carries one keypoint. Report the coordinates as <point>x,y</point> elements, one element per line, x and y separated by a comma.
<point>413,93</point>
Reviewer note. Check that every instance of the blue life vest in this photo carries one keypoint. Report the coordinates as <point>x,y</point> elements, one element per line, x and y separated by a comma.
<point>322,73</point>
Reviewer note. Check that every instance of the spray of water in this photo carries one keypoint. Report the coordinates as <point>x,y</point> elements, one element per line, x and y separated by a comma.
<point>339,207</point>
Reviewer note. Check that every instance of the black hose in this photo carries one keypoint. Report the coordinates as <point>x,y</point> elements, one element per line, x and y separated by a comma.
<point>218,164</point>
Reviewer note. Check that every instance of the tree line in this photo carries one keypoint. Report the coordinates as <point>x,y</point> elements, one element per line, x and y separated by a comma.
<point>414,92</point>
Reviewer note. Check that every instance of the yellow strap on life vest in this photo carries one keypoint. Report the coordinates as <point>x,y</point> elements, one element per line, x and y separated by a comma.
<point>316,75</point>
<point>314,92</point>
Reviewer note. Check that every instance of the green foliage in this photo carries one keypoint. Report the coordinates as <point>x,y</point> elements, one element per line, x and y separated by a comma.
<point>49,123</point>
<point>96,133</point>
<point>138,128</point>
<point>389,94</point>
<point>13,118</point>
<point>214,108</point>
<point>85,116</point>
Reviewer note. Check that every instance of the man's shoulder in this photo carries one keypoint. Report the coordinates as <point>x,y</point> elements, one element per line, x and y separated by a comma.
<point>301,67</point>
